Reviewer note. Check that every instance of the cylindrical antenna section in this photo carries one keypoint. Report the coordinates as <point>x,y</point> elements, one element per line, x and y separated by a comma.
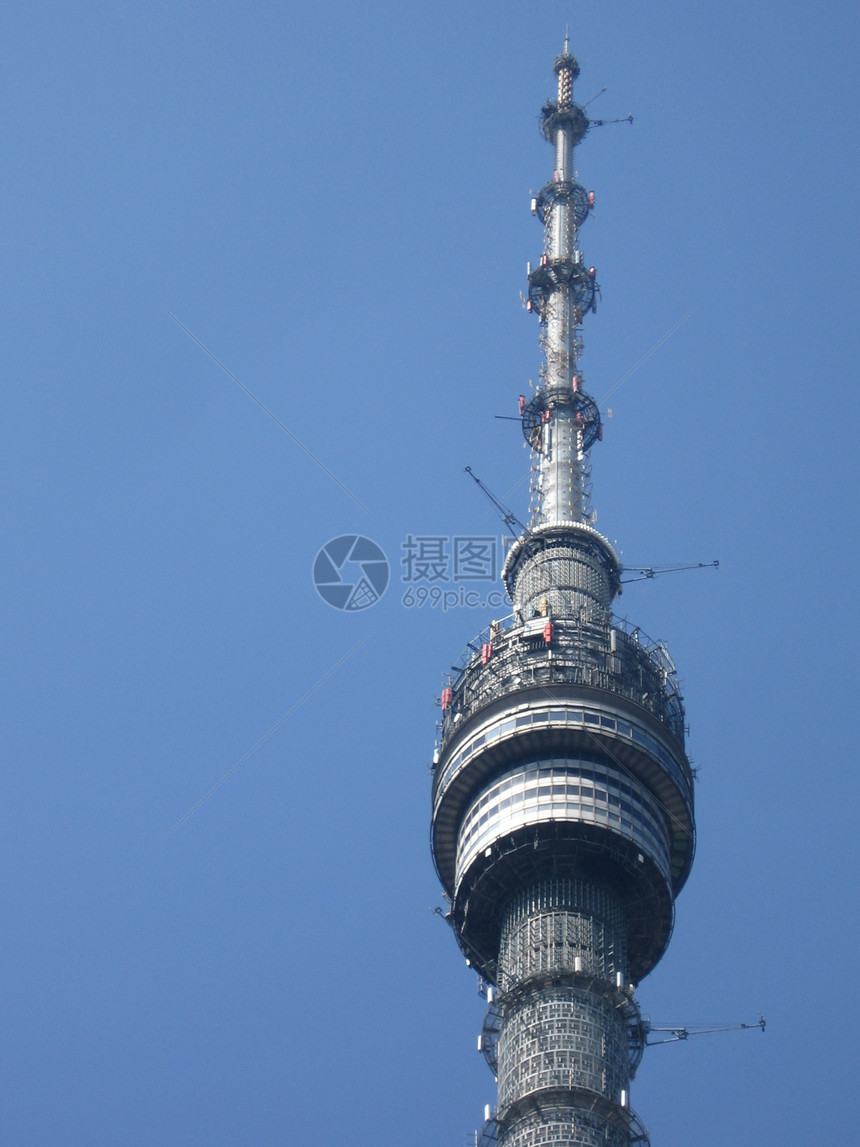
<point>567,69</point>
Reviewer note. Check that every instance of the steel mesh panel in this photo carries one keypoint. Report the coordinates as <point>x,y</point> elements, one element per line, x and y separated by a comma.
<point>563,231</point>
<point>569,581</point>
<point>562,1037</point>
<point>547,927</point>
<point>562,1127</point>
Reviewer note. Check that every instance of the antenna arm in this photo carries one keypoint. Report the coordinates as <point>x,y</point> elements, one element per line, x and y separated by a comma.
<point>508,516</point>
<point>647,572</point>
<point>604,122</point>
<point>673,1035</point>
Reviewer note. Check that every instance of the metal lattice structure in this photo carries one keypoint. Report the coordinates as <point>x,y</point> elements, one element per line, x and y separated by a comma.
<point>563,824</point>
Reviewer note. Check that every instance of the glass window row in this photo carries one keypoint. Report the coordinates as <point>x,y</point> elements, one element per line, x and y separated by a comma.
<point>572,716</point>
<point>555,791</point>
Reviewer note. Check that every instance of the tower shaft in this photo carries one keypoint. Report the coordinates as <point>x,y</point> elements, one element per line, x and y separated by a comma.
<point>562,1049</point>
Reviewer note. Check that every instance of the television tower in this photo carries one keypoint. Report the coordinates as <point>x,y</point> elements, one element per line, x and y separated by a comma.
<point>563,821</point>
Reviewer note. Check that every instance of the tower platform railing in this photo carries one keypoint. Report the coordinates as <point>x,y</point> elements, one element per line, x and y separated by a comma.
<point>508,656</point>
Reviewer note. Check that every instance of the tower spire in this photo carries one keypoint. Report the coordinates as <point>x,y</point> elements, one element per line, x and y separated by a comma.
<point>562,290</point>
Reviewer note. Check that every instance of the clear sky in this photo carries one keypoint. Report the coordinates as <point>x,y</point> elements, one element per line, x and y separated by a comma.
<point>334,199</point>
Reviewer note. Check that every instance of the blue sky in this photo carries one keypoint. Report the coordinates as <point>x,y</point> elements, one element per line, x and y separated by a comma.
<point>334,200</point>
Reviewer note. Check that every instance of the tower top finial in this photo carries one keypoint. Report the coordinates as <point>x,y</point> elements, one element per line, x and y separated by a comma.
<point>567,40</point>
<point>566,63</point>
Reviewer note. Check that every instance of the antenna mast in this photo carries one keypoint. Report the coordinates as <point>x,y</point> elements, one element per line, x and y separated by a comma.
<point>561,422</point>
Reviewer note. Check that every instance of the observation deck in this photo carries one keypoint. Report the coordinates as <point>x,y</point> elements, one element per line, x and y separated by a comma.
<point>563,740</point>
<point>618,659</point>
